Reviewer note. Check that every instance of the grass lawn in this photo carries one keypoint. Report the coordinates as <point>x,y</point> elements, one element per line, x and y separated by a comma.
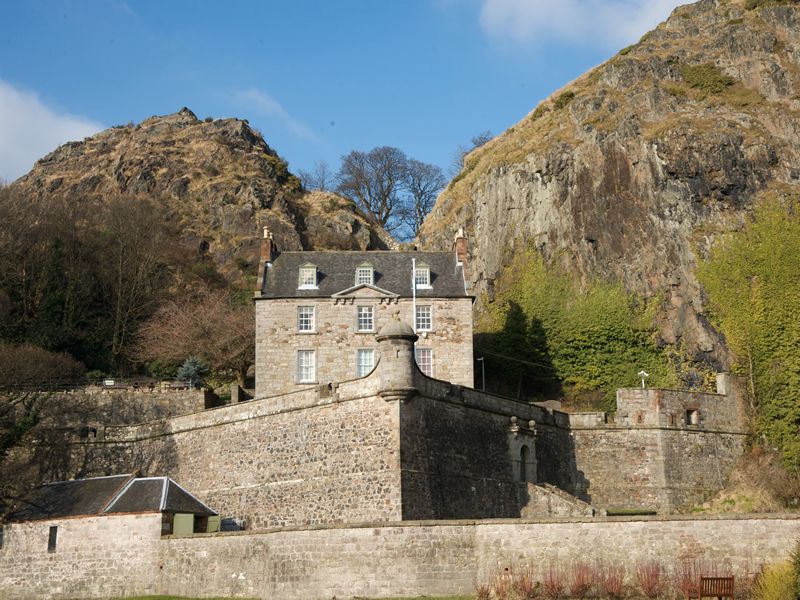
<point>357,598</point>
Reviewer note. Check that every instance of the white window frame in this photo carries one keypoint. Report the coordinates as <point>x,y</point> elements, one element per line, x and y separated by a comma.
<point>426,366</point>
<point>422,277</point>
<point>417,321</point>
<point>307,277</point>
<point>364,368</point>
<point>311,323</point>
<point>371,310</point>
<point>365,275</point>
<point>306,370</point>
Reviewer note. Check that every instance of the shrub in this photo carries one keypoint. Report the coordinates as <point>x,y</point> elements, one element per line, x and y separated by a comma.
<point>707,78</point>
<point>554,585</point>
<point>563,99</point>
<point>525,585</point>
<point>776,582</point>
<point>648,576</point>
<point>612,581</point>
<point>580,580</point>
<point>27,365</point>
<point>795,562</point>
<point>627,49</point>
<point>483,591</point>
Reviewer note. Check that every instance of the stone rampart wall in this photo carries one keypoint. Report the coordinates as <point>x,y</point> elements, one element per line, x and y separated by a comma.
<point>408,559</point>
<point>322,455</point>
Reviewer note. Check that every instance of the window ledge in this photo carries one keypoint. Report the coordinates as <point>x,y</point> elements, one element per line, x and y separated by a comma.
<point>307,287</point>
<point>306,332</point>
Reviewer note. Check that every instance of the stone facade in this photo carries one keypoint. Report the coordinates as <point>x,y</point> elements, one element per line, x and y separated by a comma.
<point>336,339</point>
<point>125,555</point>
<point>317,314</point>
<point>94,557</point>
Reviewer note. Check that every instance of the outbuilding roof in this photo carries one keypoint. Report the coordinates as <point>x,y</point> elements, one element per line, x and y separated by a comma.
<point>392,272</point>
<point>107,495</point>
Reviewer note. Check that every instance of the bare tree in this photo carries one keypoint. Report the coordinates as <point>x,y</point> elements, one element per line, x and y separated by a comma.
<point>462,150</point>
<point>134,273</point>
<point>319,178</point>
<point>422,182</point>
<point>374,181</point>
<point>212,326</point>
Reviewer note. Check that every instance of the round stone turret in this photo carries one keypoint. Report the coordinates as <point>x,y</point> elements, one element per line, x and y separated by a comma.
<point>396,342</point>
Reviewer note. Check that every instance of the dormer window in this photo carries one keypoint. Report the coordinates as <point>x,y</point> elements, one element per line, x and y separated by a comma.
<point>422,276</point>
<point>307,279</point>
<point>364,274</point>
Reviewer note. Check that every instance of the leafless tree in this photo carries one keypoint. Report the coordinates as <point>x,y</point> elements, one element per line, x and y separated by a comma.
<point>462,150</point>
<point>212,326</point>
<point>135,272</point>
<point>422,182</point>
<point>374,181</point>
<point>319,178</point>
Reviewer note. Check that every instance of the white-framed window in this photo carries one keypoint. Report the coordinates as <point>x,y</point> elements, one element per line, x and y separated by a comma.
<point>424,358</point>
<point>365,361</point>
<point>364,274</point>
<point>305,318</point>
<point>306,366</point>
<point>365,318</point>
<point>422,276</point>
<point>423,320</point>
<point>307,277</point>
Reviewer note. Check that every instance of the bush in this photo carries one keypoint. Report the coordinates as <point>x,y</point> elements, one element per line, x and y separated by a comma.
<point>776,582</point>
<point>27,365</point>
<point>707,78</point>
<point>795,562</point>
<point>563,99</point>
<point>648,576</point>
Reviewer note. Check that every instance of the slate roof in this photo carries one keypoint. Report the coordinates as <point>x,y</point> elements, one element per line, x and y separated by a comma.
<point>336,272</point>
<point>106,495</point>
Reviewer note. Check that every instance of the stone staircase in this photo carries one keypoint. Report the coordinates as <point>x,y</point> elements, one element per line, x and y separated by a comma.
<point>545,500</point>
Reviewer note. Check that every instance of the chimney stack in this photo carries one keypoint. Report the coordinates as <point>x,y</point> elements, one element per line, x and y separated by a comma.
<point>268,248</point>
<point>461,248</point>
<point>269,251</point>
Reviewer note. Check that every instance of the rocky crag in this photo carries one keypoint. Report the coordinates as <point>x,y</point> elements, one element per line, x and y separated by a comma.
<point>631,171</point>
<point>218,181</point>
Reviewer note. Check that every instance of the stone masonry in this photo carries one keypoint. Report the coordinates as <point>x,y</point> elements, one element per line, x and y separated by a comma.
<point>120,556</point>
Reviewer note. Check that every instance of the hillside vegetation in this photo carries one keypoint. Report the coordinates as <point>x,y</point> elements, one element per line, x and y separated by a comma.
<point>751,276</point>
<point>545,336</point>
<point>104,238</point>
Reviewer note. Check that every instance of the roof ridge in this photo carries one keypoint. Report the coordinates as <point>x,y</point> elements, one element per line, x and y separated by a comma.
<point>118,493</point>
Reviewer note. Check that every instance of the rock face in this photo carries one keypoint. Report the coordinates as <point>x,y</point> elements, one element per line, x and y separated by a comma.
<point>631,171</point>
<point>218,179</point>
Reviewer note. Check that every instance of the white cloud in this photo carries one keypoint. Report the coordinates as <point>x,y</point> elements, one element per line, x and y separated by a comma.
<point>612,23</point>
<point>264,105</point>
<point>29,129</point>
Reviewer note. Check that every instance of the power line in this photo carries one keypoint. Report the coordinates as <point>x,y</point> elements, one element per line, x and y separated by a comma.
<point>519,360</point>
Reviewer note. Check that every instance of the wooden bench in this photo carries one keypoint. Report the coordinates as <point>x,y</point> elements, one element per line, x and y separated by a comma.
<point>712,587</point>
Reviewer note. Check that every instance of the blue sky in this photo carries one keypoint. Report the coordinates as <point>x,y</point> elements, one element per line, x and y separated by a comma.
<point>317,78</point>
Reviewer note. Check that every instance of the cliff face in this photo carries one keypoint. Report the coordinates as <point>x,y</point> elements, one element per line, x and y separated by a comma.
<point>631,171</point>
<point>218,181</point>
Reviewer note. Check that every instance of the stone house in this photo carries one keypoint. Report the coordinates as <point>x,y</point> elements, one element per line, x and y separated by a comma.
<point>317,314</point>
